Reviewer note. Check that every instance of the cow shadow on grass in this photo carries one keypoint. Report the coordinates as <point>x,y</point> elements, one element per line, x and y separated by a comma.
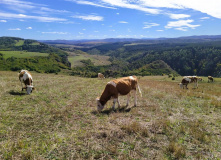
<point>16,93</point>
<point>110,110</point>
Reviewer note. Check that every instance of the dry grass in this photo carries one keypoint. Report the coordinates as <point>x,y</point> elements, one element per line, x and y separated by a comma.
<point>59,120</point>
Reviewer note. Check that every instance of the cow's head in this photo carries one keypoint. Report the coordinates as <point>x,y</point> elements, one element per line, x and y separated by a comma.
<point>99,105</point>
<point>29,89</point>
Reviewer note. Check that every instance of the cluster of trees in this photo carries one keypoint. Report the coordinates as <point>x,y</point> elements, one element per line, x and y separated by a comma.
<point>9,44</point>
<point>201,58</point>
<point>53,63</point>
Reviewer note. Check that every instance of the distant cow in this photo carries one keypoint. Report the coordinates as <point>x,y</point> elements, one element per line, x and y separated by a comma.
<point>117,87</point>
<point>26,78</point>
<point>190,79</point>
<point>100,76</point>
<point>210,79</point>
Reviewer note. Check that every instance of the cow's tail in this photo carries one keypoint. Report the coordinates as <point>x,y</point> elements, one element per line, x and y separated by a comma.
<point>139,90</point>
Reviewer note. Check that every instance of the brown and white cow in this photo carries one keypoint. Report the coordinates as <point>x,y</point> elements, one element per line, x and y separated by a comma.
<point>100,76</point>
<point>190,79</point>
<point>117,87</point>
<point>26,78</point>
<point>210,79</point>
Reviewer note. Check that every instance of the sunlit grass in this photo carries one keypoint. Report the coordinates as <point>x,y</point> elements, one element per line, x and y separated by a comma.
<point>59,120</point>
<point>21,54</point>
<point>98,60</point>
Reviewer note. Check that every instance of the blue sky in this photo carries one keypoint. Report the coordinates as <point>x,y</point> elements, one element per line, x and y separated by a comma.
<point>100,19</point>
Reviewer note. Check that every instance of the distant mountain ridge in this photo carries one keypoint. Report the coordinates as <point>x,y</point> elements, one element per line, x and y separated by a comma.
<point>201,38</point>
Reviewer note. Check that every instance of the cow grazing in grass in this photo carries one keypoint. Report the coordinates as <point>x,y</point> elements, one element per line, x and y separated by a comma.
<point>210,79</point>
<point>100,76</point>
<point>190,79</point>
<point>26,78</point>
<point>114,88</point>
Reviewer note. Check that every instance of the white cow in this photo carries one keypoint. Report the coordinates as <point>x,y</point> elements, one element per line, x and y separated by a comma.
<point>190,79</point>
<point>26,78</point>
<point>100,76</point>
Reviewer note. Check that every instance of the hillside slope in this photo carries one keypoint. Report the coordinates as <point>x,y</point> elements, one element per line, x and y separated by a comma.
<point>59,120</point>
<point>17,54</point>
<point>198,58</point>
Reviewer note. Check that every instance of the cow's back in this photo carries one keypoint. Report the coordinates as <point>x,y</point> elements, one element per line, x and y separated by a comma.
<point>126,84</point>
<point>26,77</point>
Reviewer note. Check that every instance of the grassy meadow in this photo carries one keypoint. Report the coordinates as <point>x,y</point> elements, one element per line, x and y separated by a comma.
<point>59,120</point>
<point>98,60</point>
<point>21,54</point>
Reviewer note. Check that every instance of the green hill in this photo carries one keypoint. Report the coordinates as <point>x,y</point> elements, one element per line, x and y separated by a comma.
<point>195,58</point>
<point>17,54</point>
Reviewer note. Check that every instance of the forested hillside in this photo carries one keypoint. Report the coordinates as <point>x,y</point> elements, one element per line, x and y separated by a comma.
<point>193,56</point>
<point>53,62</point>
<point>196,58</point>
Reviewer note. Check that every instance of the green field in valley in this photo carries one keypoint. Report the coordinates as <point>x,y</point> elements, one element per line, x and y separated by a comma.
<point>96,59</point>
<point>21,54</point>
<point>19,42</point>
<point>59,120</point>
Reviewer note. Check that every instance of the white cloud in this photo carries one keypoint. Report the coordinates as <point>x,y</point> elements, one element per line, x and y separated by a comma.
<point>29,8</point>
<point>90,17</point>
<point>203,18</point>
<point>182,25</point>
<point>127,4</point>
<point>3,21</point>
<point>149,25</point>
<point>14,29</point>
<point>54,32</point>
<point>182,28</point>
<point>159,30</point>
<point>123,22</point>
<point>90,3</point>
<point>23,16</point>
<point>178,16</point>
<point>211,7</point>
<point>29,28</point>
<point>53,10</point>
<point>18,4</point>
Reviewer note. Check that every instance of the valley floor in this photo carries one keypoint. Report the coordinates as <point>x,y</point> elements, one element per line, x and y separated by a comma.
<point>59,120</point>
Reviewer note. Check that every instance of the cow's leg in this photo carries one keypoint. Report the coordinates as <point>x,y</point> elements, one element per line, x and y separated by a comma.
<point>135,98</point>
<point>21,86</point>
<point>114,101</point>
<point>118,102</point>
<point>128,98</point>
